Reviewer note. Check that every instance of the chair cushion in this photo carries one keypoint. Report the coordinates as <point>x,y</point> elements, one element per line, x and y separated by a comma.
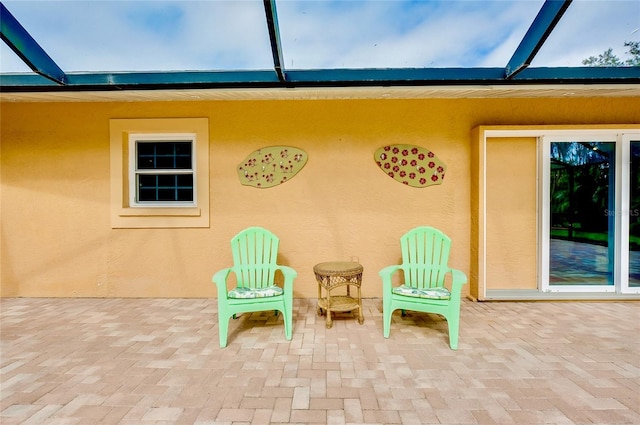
<point>240,292</point>
<point>430,293</point>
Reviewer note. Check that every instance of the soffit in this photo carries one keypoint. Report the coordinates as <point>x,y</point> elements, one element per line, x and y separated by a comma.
<point>444,92</point>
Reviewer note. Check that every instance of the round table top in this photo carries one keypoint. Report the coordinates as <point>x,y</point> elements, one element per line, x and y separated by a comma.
<point>338,267</point>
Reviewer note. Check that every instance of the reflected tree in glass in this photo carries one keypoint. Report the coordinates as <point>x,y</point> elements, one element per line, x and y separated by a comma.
<point>582,213</point>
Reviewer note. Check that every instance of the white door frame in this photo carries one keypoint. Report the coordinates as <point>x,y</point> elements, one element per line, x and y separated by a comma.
<point>623,134</point>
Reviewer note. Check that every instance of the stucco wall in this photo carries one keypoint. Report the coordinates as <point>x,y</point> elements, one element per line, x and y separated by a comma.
<point>511,213</point>
<point>57,238</point>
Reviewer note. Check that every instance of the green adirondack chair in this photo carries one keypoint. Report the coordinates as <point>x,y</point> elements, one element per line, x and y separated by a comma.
<point>255,252</point>
<point>425,256</point>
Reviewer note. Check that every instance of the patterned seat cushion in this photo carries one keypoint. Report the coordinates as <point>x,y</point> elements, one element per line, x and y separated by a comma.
<point>244,293</point>
<point>430,293</point>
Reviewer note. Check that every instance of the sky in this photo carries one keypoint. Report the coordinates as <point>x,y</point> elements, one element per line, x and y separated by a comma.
<point>152,35</point>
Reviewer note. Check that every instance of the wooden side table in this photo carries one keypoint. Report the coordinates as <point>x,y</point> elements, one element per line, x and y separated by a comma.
<point>331,275</point>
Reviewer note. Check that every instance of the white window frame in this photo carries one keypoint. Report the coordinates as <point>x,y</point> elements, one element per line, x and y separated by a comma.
<point>134,172</point>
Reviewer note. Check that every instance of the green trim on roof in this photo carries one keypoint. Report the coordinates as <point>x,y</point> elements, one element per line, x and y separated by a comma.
<point>396,77</point>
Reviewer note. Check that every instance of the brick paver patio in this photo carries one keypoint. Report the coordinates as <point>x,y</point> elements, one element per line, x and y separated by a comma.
<point>157,361</point>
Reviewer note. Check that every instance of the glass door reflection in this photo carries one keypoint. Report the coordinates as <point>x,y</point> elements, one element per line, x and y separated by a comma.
<point>634,216</point>
<point>582,198</point>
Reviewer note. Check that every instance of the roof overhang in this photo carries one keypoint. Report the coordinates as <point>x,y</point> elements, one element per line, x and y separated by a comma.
<point>391,77</point>
<point>560,91</point>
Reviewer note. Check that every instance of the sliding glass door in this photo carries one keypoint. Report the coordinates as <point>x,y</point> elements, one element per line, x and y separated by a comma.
<point>581,235</point>
<point>591,213</point>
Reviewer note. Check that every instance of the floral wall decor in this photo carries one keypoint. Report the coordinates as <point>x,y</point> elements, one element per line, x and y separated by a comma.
<point>411,165</point>
<point>271,166</point>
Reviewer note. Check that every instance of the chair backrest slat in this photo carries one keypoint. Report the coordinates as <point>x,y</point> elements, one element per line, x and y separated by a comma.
<point>255,253</point>
<point>425,256</point>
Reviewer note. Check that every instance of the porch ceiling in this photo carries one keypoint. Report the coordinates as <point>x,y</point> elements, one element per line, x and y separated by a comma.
<point>435,92</point>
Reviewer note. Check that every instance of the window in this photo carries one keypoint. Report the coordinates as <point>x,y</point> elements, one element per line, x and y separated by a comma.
<point>163,170</point>
<point>159,173</point>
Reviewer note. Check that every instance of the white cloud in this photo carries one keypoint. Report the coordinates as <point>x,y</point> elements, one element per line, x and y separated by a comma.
<point>139,35</point>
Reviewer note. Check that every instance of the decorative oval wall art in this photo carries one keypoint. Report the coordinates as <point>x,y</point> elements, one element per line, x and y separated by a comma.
<point>271,166</point>
<point>411,165</point>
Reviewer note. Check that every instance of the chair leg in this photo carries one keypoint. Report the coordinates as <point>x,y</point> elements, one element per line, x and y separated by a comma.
<point>287,315</point>
<point>288,324</point>
<point>223,329</point>
<point>453,325</point>
<point>386,321</point>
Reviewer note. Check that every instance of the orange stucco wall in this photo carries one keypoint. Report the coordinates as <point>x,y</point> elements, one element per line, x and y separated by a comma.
<point>56,235</point>
<point>511,239</point>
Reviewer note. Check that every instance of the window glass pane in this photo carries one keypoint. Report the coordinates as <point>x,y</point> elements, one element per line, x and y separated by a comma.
<point>634,216</point>
<point>184,188</point>
<point>166,194</point>
<point>581,244</point>
<point>147,185</point>
<point>164,155</point>
<point>165,187</point>
<point>166,181</point>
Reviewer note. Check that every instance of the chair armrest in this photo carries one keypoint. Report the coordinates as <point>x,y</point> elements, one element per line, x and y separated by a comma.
<point>289,275</point>
<point>220,279</point>
<point>386,274</point>
<point>459,279</point>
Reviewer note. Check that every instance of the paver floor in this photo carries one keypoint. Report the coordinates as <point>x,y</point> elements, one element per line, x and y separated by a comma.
<point>157,361</point>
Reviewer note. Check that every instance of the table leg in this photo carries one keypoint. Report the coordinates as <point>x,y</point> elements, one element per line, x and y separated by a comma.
<point>360,314</point>
<point>329,322</point>
<point>319,310</point>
